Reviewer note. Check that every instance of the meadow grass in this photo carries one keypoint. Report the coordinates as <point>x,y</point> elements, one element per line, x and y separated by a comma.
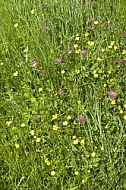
<point>63,95</point>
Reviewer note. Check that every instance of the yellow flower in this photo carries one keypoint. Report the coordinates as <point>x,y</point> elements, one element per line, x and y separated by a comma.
<point>40,89</point>
<point>53,173</point>
<point>90,43</point>
<point>93,154</point>
<point>55,127</point>
<point>115,48</point>
<point>99,59</point>
<point>124,105</point>
<point>38,139</point>
<point>77,71</point>
<point>68,117</point>
<point>113,102</point>
<point>79,101</point>
<point>76,141</point>
<point>109,47</point>
<point>86,34</point>
<point>15,74</point>
<point>96,22</point>
<point>8,122</point>
<point>22,125</point>
<point>77,38</point>
<point>65,123</point>
<point>82,142</point>
<point>74,137</point>
<point>32,11</point>
<point>124,117</point>
<point>76,173</point>
<point>105,85</point>
<point>85,179</point>
<point>121,111</point>
<point>1,63</point>
<point>102,148</point>
<point>62,72</point>
<point>95,75</point>
<point>124,52</point>
<point>102,50</point>
<point>48,163</point>
<point>77,51</point>
<point>17,145</point>
<point>112,43</point>
<point>54,116</point>
<point>16,25</point>
<point>32,132</point>
<point>75,46</point>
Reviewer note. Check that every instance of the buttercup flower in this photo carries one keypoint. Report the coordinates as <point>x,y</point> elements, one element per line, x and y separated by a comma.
<point>90,43</point>
<point>15,74</point>
<point>32,11</point>
<point>96,22</point>
<point>55,127</point>
<point>93,154</point>
<point>81,118</point>
<point>16,25</point>
<point>47,162</point>
<point>53,173</point>
<point>112,94</point>
<point>34,64</point>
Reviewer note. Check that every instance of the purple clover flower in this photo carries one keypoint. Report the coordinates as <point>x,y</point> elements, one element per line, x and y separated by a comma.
<point>72,48</point>
<point>89,27</point>
<point>121,61</point>
<point>99,17</point>
<point>34,64</point>
<point>81,118</point>
<point>58,60</point>
<point>124,34</point>
<point>106,24</point>
<point>112,94</point>
<point>43,5</point>
<point>46,28</point>
<point>83,52</point>
<point>61,91</point>
<point>90,20</point>
<point>42,72</point>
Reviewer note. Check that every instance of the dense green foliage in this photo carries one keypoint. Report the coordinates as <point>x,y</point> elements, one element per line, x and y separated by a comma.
<point>63,95</point>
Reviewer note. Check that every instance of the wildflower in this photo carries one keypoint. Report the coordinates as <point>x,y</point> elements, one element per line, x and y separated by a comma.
<point>105,85</point>
<point>83,2</point>
<point>32,11</point>
<point>32,132</point>
<point>121,61</point>
<point>83,52</point>
<point>77,51</point>
<point>89,27</point>
<point>1,63</point>
<point>82,142</point>
<point>86,34</point>
<point>43,6</point>
<point>76,173</point>
<point>90,20</point>
<point>124,52</point>
<point>99,17</point>
<point>60,91</point>
<point>15,74</point>
<point>102,49</point>
<point>75,46</point>
<point>96,22</point>
<point>112,43</point>
<point>112,94</point>
<point>81,118</point>
<point>106,23</point>
<point>76,141</point>
<point>109,47</point>
<point>65,123</point>
<point>93,154</point>
<point>72,48</point>
<point>102,148</point>
<point>43,72</point>
<point>124,117</point>
<point>124,105</point>
<point>113,102</point>
<point>8,123</point>
<point>47,162</point>
<point>55,127</point>
<point>38,139</point>
<point>17,145</point>
<point>34,64</point>
<point>46,28</point>
<point>84,180</point>
<point>16,25</point>
<point>62,72</point>
<point>95,75</point>
<point>54,116</point>
<point>121,111</point>
<point>115,48</point>
<point>22,125</point>
<point>68,117</point>
<point>74,137</point>
<point>77,38</point>
<point>40,89</point>
<point>58,60</point>
<point>124,34</point>
<point>90,43</point>
<point>53,173</point>
<point>99,59</point>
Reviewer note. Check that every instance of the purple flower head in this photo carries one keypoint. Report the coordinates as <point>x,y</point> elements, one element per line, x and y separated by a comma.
<point>43,6</point>
<point>112,94</point>
<point>89,27</point>
<point>42,72</point>
<point>72,48</point>
<point>121,61</point>
<point>124,34</point>
<point>58,60</point>
<point>90,20</point>
<point>34,64</point>
<point>83,2</point>
<point>83,52</point>
<point>81,118</point>
<point>99,17</point>
<point>46,28</point>
<point>60,91</point>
